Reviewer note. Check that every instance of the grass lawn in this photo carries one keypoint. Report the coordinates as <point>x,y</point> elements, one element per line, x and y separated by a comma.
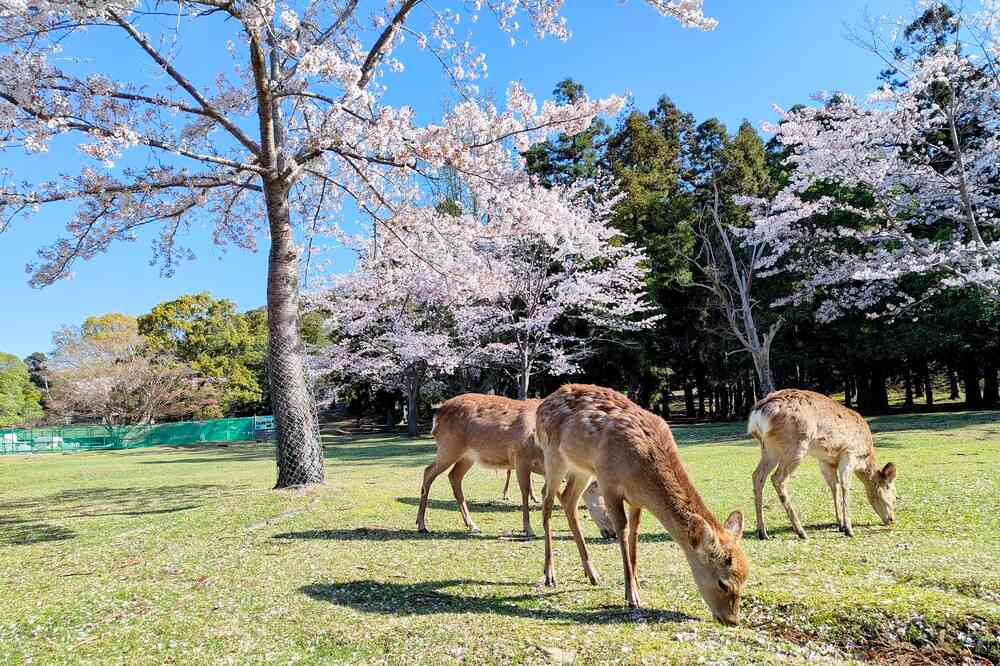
<point>183,555</point>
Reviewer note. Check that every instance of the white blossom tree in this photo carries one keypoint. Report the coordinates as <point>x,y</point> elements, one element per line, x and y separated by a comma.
<point>528,281</point>
<point>285,133</point>
<point>905,184</point>
<point>559,278</point>
<point>394,320</point>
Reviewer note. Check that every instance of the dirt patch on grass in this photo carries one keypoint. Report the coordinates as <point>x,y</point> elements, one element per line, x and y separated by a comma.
<point>874,636</point>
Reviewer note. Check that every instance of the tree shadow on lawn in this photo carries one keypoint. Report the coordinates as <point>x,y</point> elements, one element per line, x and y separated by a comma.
<point>128,501</point>
<point>351,451</point>
<point>381,452</point>
<point>932,421</point>
<point>370,596</point>
<point>14,532</point>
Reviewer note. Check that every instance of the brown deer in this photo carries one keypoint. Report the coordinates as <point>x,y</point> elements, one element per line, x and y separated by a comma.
<point>791,424</point>
<point>587,431</point>
<point>506,489</point>
<point>491,430</point>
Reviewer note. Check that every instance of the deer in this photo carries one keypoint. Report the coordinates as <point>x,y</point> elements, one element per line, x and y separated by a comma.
<point>791,424</point>
<point>491,430</point>
<point>506,489</point>
<point>589,431</point>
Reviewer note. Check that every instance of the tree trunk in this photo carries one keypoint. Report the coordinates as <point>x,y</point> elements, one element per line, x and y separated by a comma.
<point>298,449</point>
<point>848,390</point>
<point>412,400</point>
<point>970,378</point>
<point>953,384</point>
<point>689,409</point>
<point>880,394</point>
<point>700,379</point>
<point>928,386</point>
<point>909,385</point>
<point>762,363</point>
<point>522,382</point>
<point>991,391</point>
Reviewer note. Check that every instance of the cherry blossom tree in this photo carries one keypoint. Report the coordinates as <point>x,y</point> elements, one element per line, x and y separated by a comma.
<point>529,281</point>
<point>559,278</point>
<point>905,184</point>
<point>284,135</point>
<point>394,321</point>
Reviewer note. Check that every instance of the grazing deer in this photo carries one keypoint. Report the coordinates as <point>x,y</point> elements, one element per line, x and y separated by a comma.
<point>598,510</point>
<point>790,424</point>
<point>587,431</point>
<point>491,430</point>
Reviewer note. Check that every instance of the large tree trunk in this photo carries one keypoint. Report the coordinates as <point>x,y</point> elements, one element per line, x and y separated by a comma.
<point>928,385</point>
<point>298,450</point>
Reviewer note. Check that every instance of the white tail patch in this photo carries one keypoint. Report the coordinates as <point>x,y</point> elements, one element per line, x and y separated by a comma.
<point>758,424</point>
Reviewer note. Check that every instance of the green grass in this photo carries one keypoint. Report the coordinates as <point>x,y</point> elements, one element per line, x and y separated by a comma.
<point>183,555</point>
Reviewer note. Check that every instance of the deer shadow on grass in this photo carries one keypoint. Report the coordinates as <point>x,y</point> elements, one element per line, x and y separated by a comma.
<point>475,506</point>
<point>389,534</point>
<point>431,597</point>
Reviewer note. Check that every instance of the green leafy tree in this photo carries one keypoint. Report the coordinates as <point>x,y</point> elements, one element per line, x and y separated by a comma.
<point>215,340</point>
<point>20,399</point>
<point>568,157</point>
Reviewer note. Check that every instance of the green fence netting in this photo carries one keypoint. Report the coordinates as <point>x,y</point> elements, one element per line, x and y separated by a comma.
<point>95,437</point>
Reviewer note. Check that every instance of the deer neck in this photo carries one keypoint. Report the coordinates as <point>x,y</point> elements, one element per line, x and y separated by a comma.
<point>676,504</point>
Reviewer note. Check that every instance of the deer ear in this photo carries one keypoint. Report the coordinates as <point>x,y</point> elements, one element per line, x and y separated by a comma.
<point>889,472</point>
<point>701,535</point>
<point>734,524</point>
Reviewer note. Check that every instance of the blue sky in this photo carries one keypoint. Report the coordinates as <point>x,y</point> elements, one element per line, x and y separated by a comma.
<point>762,53</point>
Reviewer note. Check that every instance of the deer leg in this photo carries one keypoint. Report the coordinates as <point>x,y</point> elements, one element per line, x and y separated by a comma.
<point>634,515</point>
<point>431,472</point>
<point>830,475</point>
<point>506,487</point>
<point>524,481</point>
<point>616,514</point>
<point>779,478</point>
<point>569,499</point>
<point>844,477</point>
<point>555,469</point>
<point>456,475</point>
<point>767,463</point>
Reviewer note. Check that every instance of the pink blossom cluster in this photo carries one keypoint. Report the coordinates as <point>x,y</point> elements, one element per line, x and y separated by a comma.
<point>484,290</point>
<point>931,183</point>
<point>295,112</point>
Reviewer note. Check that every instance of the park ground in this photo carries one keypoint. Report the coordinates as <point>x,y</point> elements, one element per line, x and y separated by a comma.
<point>183,555</point>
